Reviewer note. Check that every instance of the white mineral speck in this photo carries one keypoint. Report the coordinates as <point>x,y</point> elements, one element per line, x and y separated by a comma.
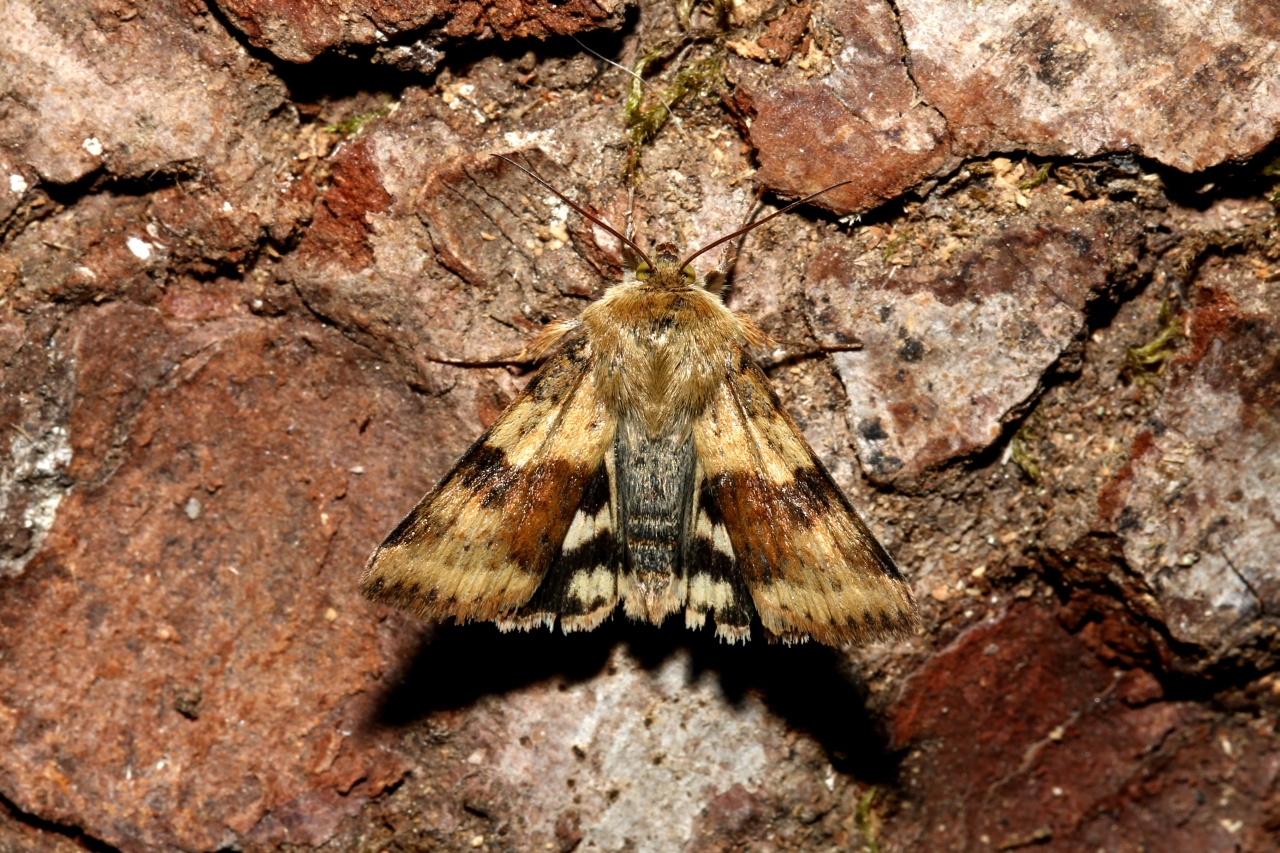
<point>140,248</point>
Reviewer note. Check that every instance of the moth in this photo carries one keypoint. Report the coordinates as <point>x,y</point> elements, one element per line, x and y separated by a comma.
<point>647,462</point>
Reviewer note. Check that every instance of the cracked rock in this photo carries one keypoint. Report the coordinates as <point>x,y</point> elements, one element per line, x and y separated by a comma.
<point>951,352</point>
<point>298,32</point>
<point>1187,86</point>
<point>1196,506</point>
<point>888,99</point>
<point>860,120</point>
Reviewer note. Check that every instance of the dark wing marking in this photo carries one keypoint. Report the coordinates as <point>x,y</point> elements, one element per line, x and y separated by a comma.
<point>812,566</point>
<point>581,586</point>
<point>714,584</point>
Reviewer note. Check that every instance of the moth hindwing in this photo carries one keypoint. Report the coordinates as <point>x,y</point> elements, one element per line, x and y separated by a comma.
<point>649,462</point>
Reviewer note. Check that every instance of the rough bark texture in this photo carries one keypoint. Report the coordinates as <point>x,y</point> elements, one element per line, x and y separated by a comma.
<point>240,240</point>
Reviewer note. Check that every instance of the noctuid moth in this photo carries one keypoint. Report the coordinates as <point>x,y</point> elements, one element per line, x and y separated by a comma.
<point>647,462</point>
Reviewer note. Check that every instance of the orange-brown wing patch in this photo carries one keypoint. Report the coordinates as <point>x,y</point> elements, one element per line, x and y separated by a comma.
<point>811,565</point>
<point>478,545</point>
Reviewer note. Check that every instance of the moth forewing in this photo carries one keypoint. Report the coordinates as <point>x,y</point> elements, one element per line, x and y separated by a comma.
<point>648,462</point>
<point>480,543</point>
<point>811,564</point>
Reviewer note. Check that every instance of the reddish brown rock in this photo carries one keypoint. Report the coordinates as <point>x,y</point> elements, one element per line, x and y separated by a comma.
<point>72,102</point>
<point>890,96</point>
<point>861,121</point>
<point>217,161</point>
<point>340,230</point>
<point>1069,753</point>
<point>298,31</point>
<point>19,836</point>
<point>786,33</point>
<point>203,677</point>
<point>18,179</point>
<point>391,258</point>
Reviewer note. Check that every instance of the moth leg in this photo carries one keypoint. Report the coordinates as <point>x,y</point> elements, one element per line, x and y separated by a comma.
<point>783,352</point>
<point>523,358</point>
<point>717,280</point>
<point>547,340</point>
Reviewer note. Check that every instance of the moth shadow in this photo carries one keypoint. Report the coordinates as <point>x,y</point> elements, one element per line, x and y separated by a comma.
<point>456,665</point>
<point>813,688</point>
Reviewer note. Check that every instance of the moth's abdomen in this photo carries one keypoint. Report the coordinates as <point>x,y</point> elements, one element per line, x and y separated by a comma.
<point>655,481</point>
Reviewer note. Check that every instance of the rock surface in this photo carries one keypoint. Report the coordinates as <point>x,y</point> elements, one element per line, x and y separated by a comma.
<point>1012,304</point>
<point>230,285</point>
<point>890,94</point>
<point>1075,79</point>
<point>298,32</point>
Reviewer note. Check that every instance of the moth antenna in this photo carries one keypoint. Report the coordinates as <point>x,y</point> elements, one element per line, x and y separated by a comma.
<point>581,212</point>
<point>718,280</point>
<point>670,110</point>
<point>755,225</point>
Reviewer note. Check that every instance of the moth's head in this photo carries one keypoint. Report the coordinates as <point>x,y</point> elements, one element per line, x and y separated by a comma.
<point>665,271</point>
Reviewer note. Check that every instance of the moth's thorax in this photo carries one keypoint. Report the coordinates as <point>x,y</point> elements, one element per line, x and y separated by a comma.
<point>661,346</point>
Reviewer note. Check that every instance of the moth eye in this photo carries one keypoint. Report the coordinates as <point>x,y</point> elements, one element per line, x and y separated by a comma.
<point>689,275</point>
<point>642,271</point>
